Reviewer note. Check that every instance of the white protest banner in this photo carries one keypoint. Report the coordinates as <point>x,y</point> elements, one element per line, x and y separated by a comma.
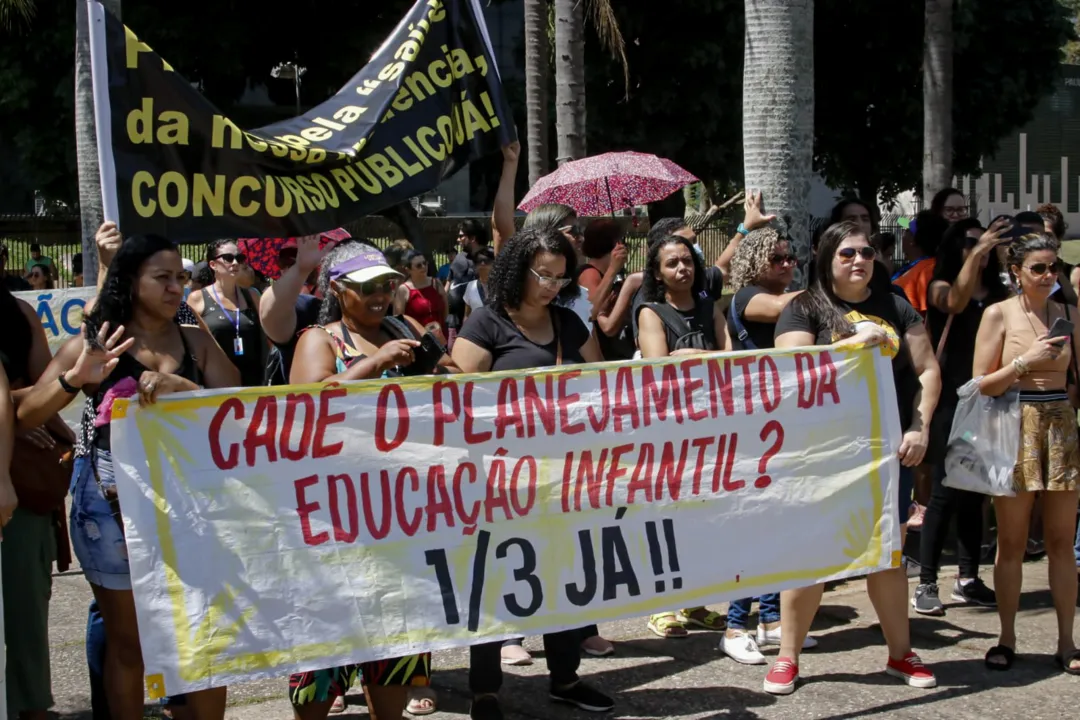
<point>278,529</point>
<point>60,311</point>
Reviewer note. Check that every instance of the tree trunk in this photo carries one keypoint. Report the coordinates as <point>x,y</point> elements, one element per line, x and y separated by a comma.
<point>537,73</point>
<point>90,205</point>
<point>570,78</point>
<point>778,115</point>
<point>937,98</point>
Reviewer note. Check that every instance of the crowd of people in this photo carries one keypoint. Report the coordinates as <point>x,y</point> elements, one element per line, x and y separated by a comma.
<point>967,302</point>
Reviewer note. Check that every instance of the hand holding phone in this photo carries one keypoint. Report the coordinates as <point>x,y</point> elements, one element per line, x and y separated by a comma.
<point>1061,328</point>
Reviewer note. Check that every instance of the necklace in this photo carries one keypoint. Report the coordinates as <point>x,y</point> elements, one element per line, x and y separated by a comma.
<point>1028,313</point>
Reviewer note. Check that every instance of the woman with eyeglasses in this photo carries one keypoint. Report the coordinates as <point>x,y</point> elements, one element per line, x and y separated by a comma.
<point>522,327</point>
<point>1014,347</point>
<point>845,305</point>
<point>360,338</point>
<point>966,282</point>
<point>231,312</point>
<point>564,220</point>
<point>949,204</point>
<point>420,297</point>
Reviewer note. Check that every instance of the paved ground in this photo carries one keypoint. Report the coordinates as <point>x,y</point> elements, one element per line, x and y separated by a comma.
<point>654,678</point>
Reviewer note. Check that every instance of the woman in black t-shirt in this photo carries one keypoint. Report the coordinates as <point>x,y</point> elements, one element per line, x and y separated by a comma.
<point>673,282</point>
<point>967,279</point>
<point>845,302</point>
<point>521,328</point>
<point>761,271</point>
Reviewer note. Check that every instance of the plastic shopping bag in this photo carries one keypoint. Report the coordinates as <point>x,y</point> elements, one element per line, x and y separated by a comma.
<point>984,442</point>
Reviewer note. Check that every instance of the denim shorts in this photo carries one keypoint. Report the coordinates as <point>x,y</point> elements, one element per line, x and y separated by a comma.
<point>95,533</point>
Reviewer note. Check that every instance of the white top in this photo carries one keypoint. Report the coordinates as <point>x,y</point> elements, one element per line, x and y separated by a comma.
<point>582,307</point>
<point>472,296</point>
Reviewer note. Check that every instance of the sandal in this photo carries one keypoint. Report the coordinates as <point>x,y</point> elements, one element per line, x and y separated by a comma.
<point>1000,651</point>
<point>421,701</point>
<point>667,625</point>
<point>1065,663</point>
<point>339,705</point>
<point>597,646</point>
<point>702,618</point>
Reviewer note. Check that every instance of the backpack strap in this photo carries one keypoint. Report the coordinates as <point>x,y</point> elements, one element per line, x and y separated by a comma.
<point>737,324</point>
<point>671,318</point>
<point>397,328</point>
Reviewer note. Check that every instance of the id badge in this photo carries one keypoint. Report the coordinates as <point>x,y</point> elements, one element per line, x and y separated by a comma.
<point>238,346</point>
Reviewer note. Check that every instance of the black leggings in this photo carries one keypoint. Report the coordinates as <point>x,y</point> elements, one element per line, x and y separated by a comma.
<point>944,503</point>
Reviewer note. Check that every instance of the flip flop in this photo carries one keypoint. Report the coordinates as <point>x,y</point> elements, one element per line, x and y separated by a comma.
<point>1064,663</point>
<point>1000,651</point>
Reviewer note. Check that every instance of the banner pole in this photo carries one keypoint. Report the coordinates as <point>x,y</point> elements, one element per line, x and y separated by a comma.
<point>99,68</point>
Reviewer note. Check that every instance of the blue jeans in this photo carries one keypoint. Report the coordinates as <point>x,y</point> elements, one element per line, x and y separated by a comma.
<point>768,611</point>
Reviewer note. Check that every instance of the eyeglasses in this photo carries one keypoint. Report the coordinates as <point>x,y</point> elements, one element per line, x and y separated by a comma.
<point>372,287</point>
<point>779,259</point>
<point>1042,268</point>
<point>550,282</point>
<point>866,252</point>
<point>956,211</point>
<point>230,258</point>
<point>572,229</point>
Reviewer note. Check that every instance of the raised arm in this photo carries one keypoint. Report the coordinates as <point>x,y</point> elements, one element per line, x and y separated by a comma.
<point>277,309</point>
<point>953,298</point>
<point>502,213</point>
<point>753,218</point>
<point>612,322</point>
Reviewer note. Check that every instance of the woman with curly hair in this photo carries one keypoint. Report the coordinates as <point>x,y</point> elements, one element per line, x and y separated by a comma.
<point>522,327</point>
<point>130,343</point>
<point>678,318</point>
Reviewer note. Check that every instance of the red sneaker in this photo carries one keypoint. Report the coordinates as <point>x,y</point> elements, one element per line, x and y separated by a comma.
<point>782,677</point>
<point>912,671</point>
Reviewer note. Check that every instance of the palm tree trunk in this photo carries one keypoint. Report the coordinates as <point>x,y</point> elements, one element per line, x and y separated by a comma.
<point>937,98</point>
<point>90,205</point>
<point>778,114</point>
<point>537,73</point>
<point>570,78</point>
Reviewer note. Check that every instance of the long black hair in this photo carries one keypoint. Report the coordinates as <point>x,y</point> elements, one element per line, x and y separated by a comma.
<point>837,214</point>
<point>937,204</point>
<point>652,286</point>
<point>506,284</point>
<point>820,300</point>
<point>116,301</point>
<point>16,339</point>
<point>950,259</point>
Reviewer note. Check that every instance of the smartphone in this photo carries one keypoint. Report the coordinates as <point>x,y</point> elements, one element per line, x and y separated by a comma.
<point>427,356</point>
<point>1061,328</point>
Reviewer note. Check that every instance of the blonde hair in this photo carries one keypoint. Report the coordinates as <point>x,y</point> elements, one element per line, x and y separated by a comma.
<point>751,258</point>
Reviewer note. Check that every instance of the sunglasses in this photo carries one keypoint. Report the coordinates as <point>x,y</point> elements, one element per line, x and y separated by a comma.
<point>372,287</point>
<point>1042,268</point>
<point>572,229</point>
<point>230,258</point>
<point>779,259</point>
<point>550,282</point>
<point>866,252</point>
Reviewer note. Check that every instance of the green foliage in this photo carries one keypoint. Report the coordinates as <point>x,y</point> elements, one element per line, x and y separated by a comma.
<point>868,65</point>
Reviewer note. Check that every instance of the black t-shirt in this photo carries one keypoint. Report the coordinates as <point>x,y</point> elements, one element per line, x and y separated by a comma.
<point>760,333</point>
<point>958,356</point>
<point>510,350</point>
<point>887,310</point>
<point>714,289</point>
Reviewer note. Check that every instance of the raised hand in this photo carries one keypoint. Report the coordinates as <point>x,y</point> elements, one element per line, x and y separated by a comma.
<point>99,356</point>
<point>754,218</point>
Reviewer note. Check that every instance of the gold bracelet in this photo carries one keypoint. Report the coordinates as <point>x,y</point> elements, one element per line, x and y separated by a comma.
<point>1020,366</point>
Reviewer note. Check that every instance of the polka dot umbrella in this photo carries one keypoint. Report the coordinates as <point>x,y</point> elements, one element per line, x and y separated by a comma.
<point>602,184</point>
<point>262,253</point>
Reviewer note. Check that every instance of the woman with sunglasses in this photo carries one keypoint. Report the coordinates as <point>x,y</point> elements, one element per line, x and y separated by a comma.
<point>358,339</point>
<point>761,271</point>
<point>966,281</point>
<point>40,278</point>
<point>231,312</point>
<point>523,327</point>
<point>1014,347</point>
<point>845,303</point>
<point>420,297</point>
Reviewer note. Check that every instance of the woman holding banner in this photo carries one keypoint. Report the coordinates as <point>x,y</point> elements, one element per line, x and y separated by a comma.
<point>131,344</point>
<point>520,328</point>
<point>849,303</point>
<point>358,340</point>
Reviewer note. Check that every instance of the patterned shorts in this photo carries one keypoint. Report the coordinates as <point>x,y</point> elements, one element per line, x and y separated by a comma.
<point>321,685</point>
<point>1049,451</point>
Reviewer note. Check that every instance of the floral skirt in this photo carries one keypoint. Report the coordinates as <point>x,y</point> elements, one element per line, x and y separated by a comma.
<point>1049,456</point>
<point>321,685</point>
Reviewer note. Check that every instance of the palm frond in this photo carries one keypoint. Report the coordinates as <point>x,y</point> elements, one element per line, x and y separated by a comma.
<point>607,29</point>
<point>15,11</point>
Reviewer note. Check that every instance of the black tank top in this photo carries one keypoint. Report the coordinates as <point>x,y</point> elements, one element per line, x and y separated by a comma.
<point>226,326</point>
<point>129,367</point>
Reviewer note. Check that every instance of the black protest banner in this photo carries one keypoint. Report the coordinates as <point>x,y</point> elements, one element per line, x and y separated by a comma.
<point>428,102</point>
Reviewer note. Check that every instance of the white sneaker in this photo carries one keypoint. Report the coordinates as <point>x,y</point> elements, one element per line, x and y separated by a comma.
<point>772,637</point>
<point>742,649</point>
